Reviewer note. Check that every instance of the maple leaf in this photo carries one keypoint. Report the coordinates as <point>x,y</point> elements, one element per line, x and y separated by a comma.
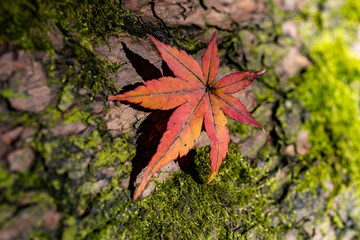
<point>197,99</point>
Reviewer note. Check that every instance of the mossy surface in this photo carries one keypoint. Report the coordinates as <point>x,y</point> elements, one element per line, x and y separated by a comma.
<point>329,90</point>
<point>230,207</point>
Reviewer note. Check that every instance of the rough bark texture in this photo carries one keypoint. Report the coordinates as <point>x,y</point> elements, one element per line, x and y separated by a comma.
<point>70,160</point>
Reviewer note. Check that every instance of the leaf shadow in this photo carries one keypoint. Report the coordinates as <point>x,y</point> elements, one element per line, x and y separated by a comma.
<point>142,66</point>
<point>188,165</point>
<point>154,126</point>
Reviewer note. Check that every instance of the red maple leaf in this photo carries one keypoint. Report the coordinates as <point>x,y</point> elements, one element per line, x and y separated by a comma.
<point>197,100</point>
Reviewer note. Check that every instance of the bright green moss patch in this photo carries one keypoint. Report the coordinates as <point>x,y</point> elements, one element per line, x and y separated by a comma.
<point>232,207</point>
<point>333,104</point>
<point>329,90</point>
<point>67,98</point>
<point>351,10</point>
<point>109,157</point>
<point>8,94</point>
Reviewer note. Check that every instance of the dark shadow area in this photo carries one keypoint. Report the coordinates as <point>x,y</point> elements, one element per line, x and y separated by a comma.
<point>166,70</point>
<point>143,67</point>
<point>188,165</point>
<point>149,135</point>
<point>151,130</point>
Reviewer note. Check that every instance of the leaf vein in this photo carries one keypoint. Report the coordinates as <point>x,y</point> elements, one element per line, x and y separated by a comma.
<point>188,69</point>
<point>232,106</point>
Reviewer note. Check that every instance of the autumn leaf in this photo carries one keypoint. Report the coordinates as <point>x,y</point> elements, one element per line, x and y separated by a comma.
<point>197,99</point>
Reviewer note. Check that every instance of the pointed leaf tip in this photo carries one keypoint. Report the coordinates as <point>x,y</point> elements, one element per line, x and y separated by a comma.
<point>260,72</point>
<point>151,37</point>
<point>214,36</point>
<point>111,98</point>
<point>211,177</point>
<point>210,61</point>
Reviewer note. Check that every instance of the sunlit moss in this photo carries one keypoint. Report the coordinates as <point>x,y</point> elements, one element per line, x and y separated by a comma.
<point>329,90</point>
<point>233,201</point>
<point>351,10</point>
<point>231,207</point>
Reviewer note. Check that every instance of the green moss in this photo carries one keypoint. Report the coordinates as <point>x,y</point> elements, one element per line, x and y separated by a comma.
<point>9,93</point>
<point>88,70</point>
<point>351,9</point>
<point>6,178</point>
<point>67,98</point>
<point>231,207</point>
<point>29,22</point>
<point>108,156</point>
<point>329,91</point>
<point>239,129</point>
<point>333,105</point>
<point>77,115</point>
<point>50,116</point>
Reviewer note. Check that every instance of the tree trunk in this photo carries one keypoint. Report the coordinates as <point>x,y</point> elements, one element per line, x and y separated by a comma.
<point>70,160</point>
